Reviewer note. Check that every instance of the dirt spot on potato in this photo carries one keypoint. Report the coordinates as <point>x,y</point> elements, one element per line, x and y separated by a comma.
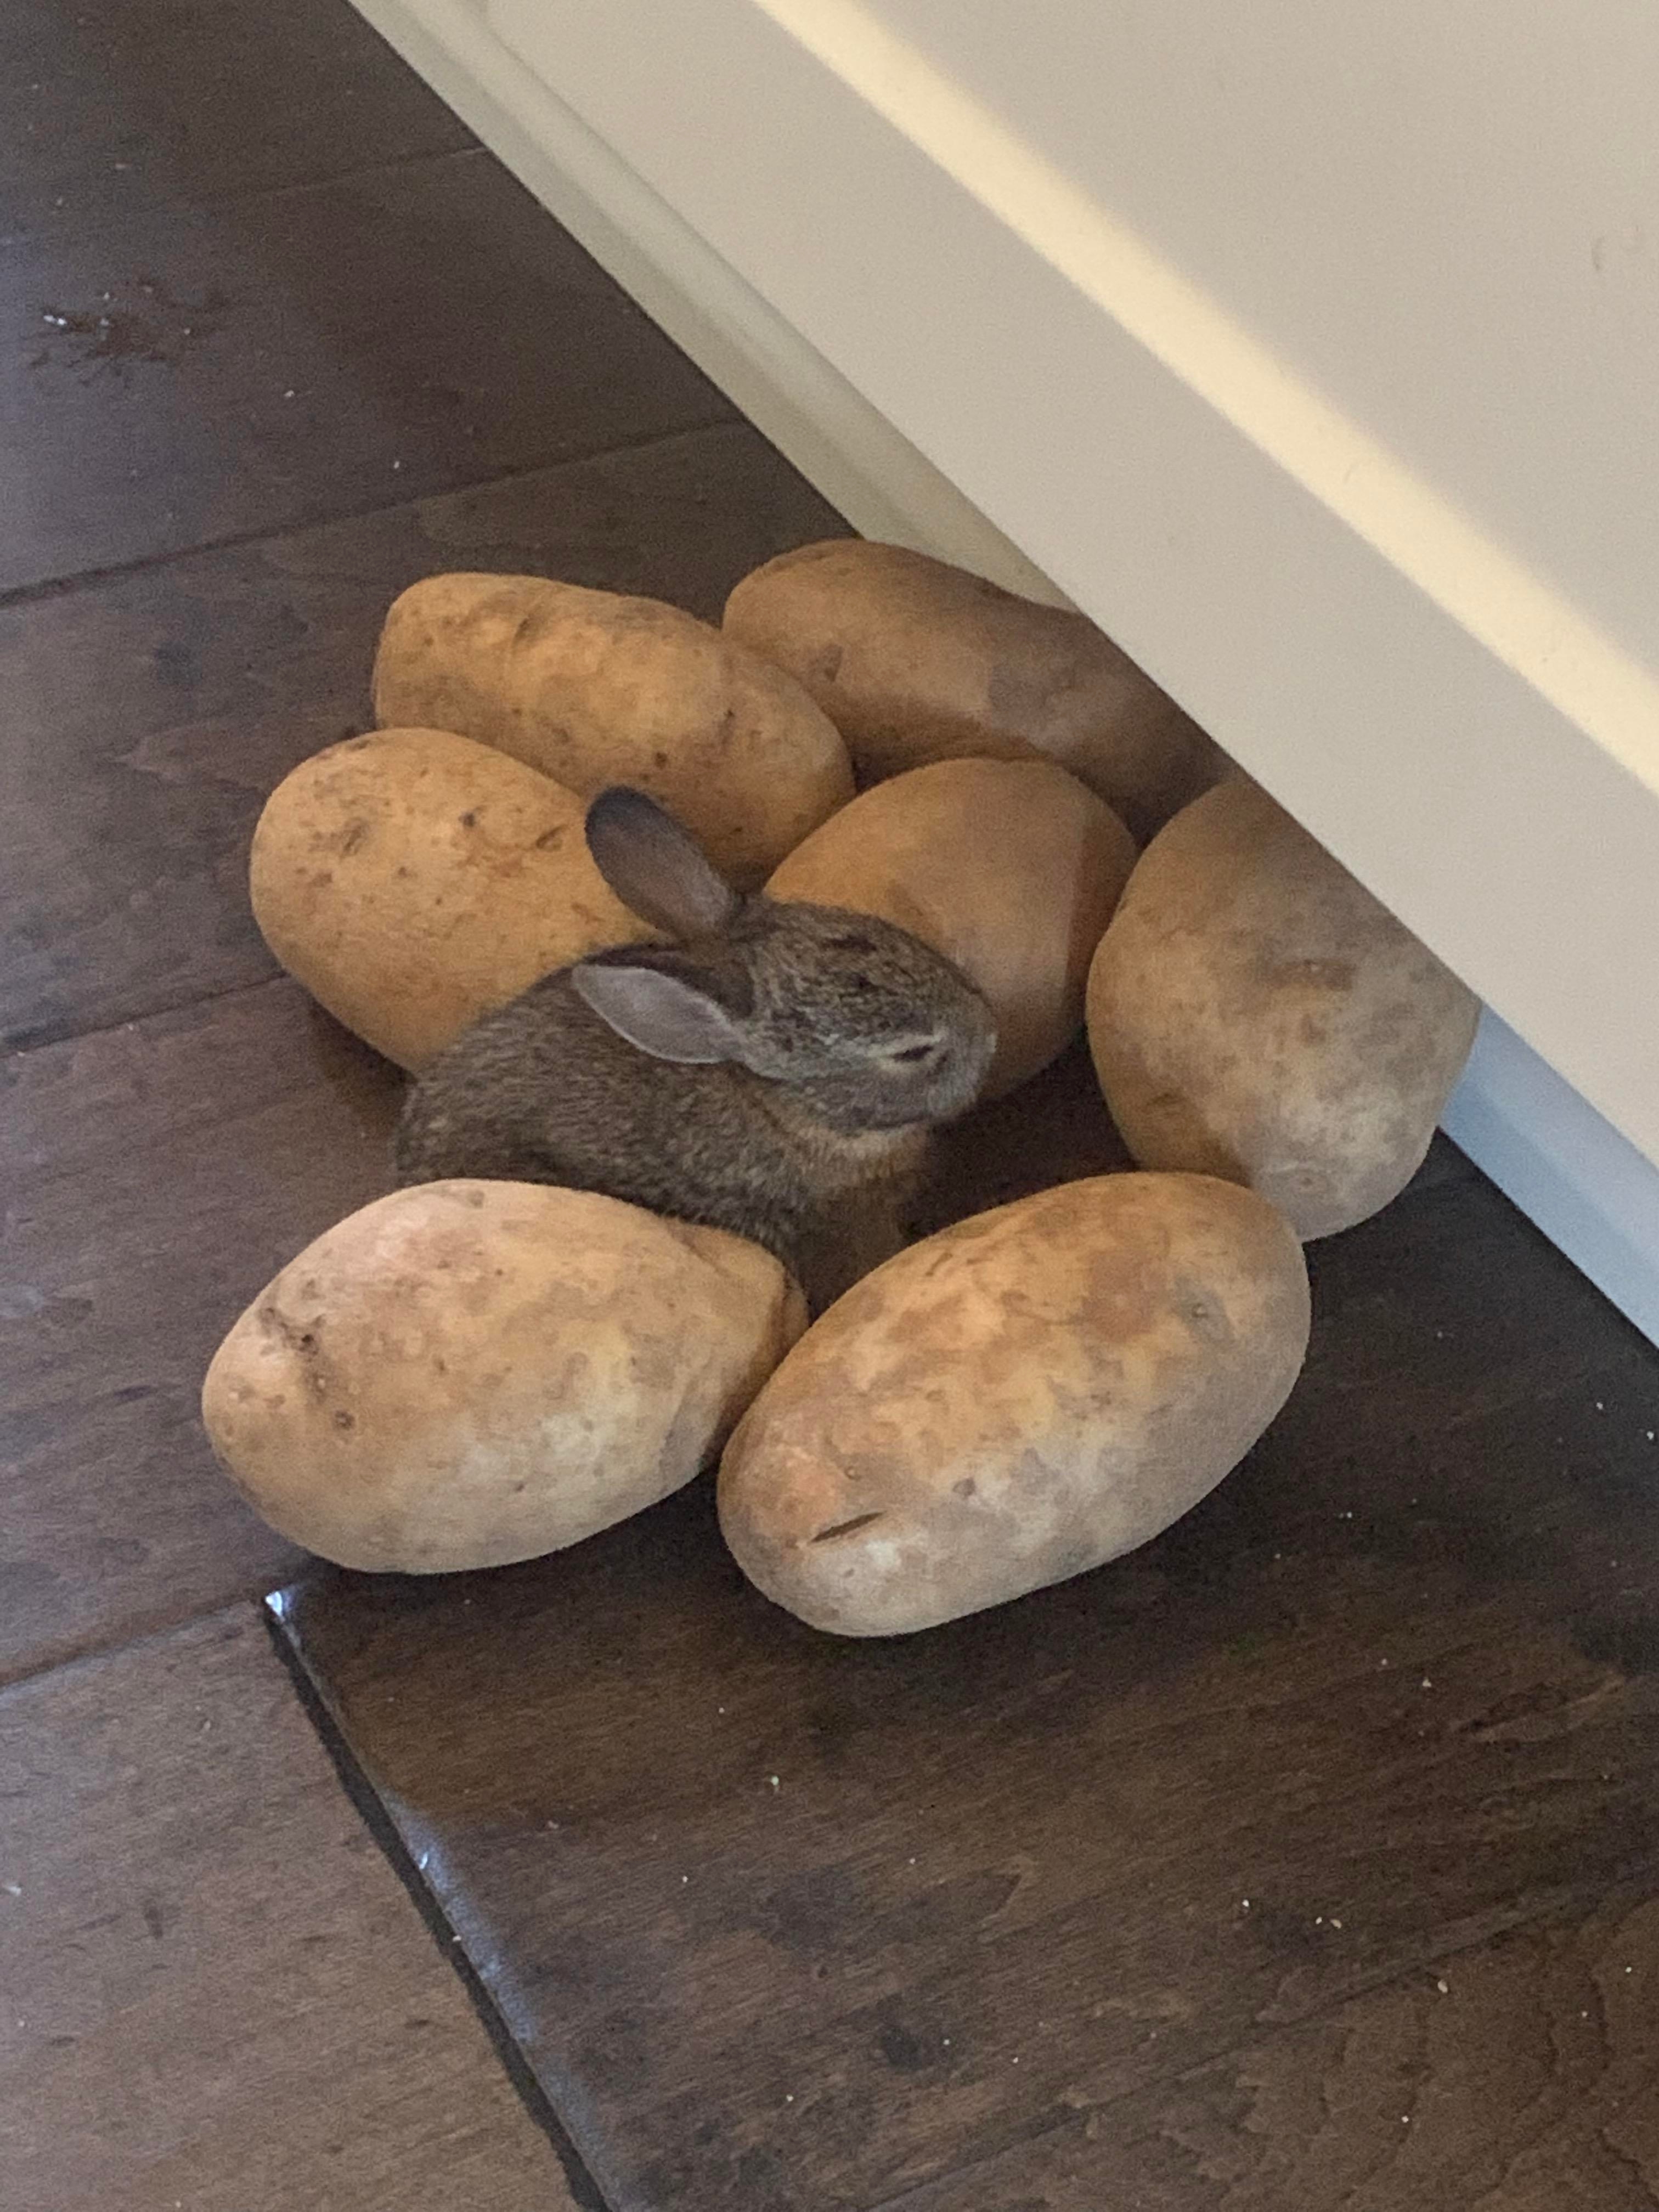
<point>303,1341</point>
<point>276,1323</point>
<point>1203,1312</point>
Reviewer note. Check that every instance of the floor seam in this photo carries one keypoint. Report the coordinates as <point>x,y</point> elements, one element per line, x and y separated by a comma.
<point>378,1820</point>
<point>54,587</point>
<point>24,1044</point>
<point>64,1663</point>
<point>210,202</point>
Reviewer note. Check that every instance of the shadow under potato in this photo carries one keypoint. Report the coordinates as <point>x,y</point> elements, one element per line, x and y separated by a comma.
<point>1053,1129</point>
<point>371,1087</point>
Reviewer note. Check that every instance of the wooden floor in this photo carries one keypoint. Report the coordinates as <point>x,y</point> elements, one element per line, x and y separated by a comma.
<point>1308,1859</point>
<point>278,340</point>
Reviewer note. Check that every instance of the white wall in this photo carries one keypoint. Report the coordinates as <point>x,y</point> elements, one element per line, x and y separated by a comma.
<point>1115,295</point>
<point>1443,214</point>
<point>1275,335</point>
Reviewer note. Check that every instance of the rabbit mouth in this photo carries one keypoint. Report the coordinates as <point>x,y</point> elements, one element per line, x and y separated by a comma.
<point>850,1111</point>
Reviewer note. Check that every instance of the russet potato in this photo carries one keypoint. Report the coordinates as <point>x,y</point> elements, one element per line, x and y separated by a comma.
<point>1017,1399</point>
<point>1253,1012</point>
<point>914,660</point>
<point>1010,868</point>
<point>413,880</point>
<point>595,687</point>
<point>468,1373</point>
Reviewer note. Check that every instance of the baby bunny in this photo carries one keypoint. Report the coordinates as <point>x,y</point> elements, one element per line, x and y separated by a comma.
<point>774,1071</point>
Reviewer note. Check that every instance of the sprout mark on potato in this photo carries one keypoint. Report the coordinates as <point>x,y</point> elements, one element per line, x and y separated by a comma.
<point>272,1317</point>
<point>846,1527</point>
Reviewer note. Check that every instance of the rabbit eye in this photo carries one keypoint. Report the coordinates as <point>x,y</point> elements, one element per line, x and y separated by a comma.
<point>909,1055</point>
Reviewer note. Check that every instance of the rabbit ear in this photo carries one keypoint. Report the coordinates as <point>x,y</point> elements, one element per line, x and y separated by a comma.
<point>670,1015</point>
<point>656,868</point>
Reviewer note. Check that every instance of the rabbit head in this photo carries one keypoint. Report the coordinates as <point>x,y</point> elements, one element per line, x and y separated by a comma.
<point>866,1025</point>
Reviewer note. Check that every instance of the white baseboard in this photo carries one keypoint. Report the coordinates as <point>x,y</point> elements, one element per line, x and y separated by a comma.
<point>1584,1185</point>
<point>1589,1190</point>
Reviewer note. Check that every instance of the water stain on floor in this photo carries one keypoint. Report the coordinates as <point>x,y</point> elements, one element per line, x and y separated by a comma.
<point>114,333</point>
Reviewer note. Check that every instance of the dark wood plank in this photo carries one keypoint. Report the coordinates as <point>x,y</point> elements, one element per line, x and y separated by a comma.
<point>796,1923</point>
<point>110,106</point>
<point>217,1993</point>
<point>155,1178</point>
<point>148,716</point>
<point>1518,2075</point>
<point>171,380</point>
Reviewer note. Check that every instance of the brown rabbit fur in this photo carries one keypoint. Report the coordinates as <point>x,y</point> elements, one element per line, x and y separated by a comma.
<point>774,1070</point>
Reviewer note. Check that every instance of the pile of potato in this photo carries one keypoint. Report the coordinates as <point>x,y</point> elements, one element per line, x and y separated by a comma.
<point>467,1373</point>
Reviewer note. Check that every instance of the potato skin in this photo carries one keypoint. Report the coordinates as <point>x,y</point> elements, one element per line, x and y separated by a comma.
<point>594,688</point>
<point>469,1373</point>
<point>1015,1401</point>
<point>413,880</point>
<point>1253,1012</point>
<point>914,660</point>
<point>1010,868</point>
